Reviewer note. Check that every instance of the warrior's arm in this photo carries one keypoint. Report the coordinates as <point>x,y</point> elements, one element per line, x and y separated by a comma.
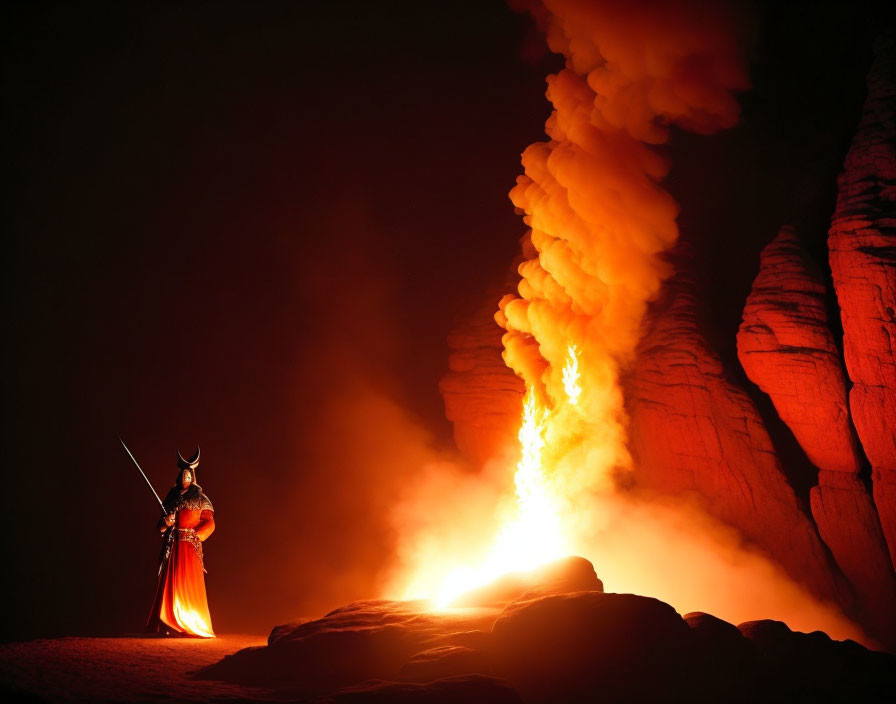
<point>163,524</point>
<point>206,525</point>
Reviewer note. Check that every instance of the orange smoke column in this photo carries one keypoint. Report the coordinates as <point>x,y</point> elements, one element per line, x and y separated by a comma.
<point>599,220</point>
<point>599,224</point>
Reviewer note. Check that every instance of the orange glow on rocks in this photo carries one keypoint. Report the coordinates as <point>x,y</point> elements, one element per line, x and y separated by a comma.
<point>599,224</point>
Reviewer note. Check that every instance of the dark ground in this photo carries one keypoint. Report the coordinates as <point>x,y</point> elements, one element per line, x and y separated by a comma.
<point>120,669</point>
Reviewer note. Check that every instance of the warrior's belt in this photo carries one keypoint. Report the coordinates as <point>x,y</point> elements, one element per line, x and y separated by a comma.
<point>189,535</point>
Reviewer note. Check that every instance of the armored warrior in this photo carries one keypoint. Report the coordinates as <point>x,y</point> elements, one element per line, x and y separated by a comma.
<point>180,603</point>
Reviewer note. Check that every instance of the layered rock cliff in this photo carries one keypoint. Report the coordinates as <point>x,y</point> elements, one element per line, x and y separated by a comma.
<point>695,434</point>
<point>862,246</point>
<point>788,350</point>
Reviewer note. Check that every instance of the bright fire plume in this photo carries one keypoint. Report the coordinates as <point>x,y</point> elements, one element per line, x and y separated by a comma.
<point>599,222</point>
<point>535,534</point>
<point>571,376</point>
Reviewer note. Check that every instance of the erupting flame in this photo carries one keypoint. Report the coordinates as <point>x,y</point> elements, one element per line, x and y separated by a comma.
<point>535,535</point>
<point>598,224</point>
<point>571,375</point>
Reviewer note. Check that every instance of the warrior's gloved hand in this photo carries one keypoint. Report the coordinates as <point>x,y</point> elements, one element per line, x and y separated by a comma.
<point>170,518</point>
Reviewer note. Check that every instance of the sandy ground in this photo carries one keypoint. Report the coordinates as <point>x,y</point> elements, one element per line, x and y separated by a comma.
<point>121,670</point>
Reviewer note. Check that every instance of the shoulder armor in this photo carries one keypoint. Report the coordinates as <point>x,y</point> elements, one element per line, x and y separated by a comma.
<point>197,503</point>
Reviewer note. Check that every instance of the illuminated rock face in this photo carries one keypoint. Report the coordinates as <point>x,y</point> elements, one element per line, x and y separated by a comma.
<point>571,574</point>
<point>787,349</point>
<point>483,397</point>
<point>862,246</point>
<point>695,434</point>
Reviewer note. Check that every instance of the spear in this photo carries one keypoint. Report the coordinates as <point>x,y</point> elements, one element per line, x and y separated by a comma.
<point>139,469</point>
<point>166,550</point>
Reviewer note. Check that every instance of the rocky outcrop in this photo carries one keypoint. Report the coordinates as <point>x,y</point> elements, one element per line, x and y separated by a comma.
<point>693,433</point>
<point>571,574</point>
<point>862,244</point>
<point>581,645</point>
<point>359,641</point>
<point>627,647</point>
<point>787,349</point>
<point>445,661</point>
<point>849,524</point>
<point>798,666</point>
<point>483,396</point>
<point>733,658</point>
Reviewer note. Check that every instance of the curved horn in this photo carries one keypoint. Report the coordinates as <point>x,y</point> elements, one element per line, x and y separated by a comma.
<point>194,460</point>
<point>180,459</point>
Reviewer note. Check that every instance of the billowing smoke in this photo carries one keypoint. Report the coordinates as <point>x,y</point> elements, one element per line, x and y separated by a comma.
<point>599,223</point>
<point>599,219</point>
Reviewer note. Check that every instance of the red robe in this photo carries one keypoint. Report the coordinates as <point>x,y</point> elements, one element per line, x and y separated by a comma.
<point>180,601</point>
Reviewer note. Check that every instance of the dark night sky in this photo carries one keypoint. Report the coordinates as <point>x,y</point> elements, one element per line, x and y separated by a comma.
<point>251,225</point>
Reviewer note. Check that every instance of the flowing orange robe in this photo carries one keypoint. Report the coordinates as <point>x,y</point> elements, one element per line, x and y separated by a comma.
<point>180,600</point>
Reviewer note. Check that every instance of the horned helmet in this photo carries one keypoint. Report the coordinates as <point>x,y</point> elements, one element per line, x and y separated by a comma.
<point>187,464</point>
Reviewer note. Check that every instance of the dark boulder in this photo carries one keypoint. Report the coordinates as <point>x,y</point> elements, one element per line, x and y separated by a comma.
<point>446,661</point>
<point>812,667</point>
<point>723,660</point>
<point>572,647</point>
<point>360,641</point>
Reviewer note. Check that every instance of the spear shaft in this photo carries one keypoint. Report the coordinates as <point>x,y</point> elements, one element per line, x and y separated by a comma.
<point>166,550</point>
<point>148,483</point>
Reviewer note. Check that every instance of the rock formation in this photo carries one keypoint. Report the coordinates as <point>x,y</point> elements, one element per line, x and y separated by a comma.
<point>571,574</point>
<point>560,646</point>
<point>862,246</point>
<point>787,349</point>
<point>695,434</point>
<point>483,397</point>
<point>550,647</point>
